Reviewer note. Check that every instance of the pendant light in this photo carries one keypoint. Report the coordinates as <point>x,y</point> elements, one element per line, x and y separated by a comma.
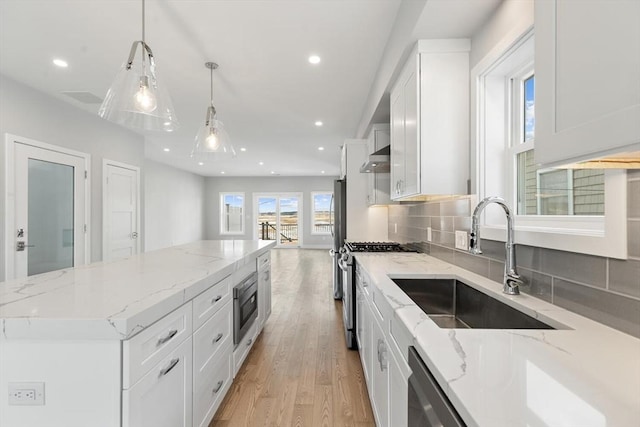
<point>135,98</point>
<point>212,140</point>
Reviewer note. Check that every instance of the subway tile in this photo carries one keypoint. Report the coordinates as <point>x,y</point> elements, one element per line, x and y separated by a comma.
<point>536,284</point>
<point>458,207</point>
<point>441,252</point>
<point>575,267</point>
<point>624,276</point>
<point>633,238</point>
<point>432,209</point>
<point>443,238</point>
<point>414,210</point>
<point>496,271</point>
<point>474,263</point>
<point>443,223</point>
<point>462,223</point>
<point>633,173</point>
<point>633,199</point>
<point>619,312</point>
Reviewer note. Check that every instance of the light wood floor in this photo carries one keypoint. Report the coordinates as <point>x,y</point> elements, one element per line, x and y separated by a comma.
<point>299,372</point>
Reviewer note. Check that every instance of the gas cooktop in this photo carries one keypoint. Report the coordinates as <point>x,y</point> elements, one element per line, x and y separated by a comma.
<point>376,247</point>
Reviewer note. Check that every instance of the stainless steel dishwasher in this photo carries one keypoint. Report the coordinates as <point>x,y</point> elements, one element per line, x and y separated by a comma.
<point>428,405</point>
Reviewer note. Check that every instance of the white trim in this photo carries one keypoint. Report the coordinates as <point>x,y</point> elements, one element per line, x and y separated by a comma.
<point>136,169</point>
<point>312,222</point>
<point>576,233</point>
<point>10,188</point>
<point>224,232</point>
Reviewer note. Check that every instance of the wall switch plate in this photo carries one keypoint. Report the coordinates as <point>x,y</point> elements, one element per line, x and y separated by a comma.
<point>26,394</point>
<point>428,234</point>
<point>462,241</point>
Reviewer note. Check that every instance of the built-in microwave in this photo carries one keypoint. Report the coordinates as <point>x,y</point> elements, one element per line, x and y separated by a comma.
<point>245,306</point>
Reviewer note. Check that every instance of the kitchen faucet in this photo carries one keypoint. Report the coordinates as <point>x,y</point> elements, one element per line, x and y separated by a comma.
<point>511,279</point>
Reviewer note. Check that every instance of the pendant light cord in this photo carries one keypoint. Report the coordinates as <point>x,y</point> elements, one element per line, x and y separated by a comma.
<point>143,40</point>
<point>211,71</point>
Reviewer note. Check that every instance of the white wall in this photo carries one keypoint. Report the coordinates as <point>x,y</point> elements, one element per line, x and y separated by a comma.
<point>250,185</point>
<point>29,113</point>
<point>174,206</point>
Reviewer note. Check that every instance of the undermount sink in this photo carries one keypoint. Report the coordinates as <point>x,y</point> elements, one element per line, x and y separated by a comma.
<point>451,303</point>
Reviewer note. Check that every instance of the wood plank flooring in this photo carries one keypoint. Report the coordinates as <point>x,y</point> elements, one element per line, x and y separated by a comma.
<point>299,371</point>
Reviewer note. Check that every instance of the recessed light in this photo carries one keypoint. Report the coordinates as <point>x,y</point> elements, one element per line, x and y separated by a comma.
<point>243,149</point>
<point>321,171</point>
<point>166,150</point>
<point>314,59</point>
<point>222,172</point>
<point>60,63</point>
<point>261,163</point>
<point>272,172</point>
<point>200,163</point>
<point>319,123</point>
<point>320,148</point>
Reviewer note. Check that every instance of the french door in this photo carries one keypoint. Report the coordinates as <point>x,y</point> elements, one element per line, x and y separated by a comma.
<point>47,208</point>
<point>279,217</point>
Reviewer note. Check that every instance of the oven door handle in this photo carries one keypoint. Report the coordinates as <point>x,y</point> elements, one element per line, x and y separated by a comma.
<point>343,265</point>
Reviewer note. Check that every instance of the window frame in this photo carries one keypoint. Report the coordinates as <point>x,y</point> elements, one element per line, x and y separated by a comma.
<point>223,216</point>
<point>596,235</point>
<point>313,213</point>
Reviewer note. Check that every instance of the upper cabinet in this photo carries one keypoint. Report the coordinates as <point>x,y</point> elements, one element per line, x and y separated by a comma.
<point>430,121</point>
<point>379,182</point>
<point>587,61</point>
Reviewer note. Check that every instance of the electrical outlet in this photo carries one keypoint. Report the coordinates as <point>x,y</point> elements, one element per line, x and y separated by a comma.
<point>395,227</point>
<point>428,234</point>
<point>462,242</point>
<point>26,394</point>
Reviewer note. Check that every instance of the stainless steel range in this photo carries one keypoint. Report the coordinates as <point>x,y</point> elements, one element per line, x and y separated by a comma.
<point>347,266</point>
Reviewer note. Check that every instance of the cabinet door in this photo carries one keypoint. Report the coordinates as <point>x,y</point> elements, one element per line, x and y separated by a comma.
<point>398,393</point>
<point>363,333</point>
<point>587,78</point>
<point>266,286</point>
<point>397,140</point>
<point>380,375</point>
<point>411,184</point>
<point>163,397</point>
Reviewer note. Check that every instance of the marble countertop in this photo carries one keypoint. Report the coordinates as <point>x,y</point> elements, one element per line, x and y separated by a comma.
<point>116,300</point>
<point>584,375</point>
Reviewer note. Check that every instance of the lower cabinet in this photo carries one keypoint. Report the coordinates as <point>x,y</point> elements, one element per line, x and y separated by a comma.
<point>398,389</point>
<point>379,392</point>
<point>163,397</point>
<point>210,385</point>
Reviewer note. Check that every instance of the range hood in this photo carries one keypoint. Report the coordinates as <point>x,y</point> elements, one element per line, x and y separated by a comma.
<point>378,162</point>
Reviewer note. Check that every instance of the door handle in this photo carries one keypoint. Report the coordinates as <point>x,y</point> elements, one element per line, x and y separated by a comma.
<point>20,246</point>
<point>134,235</point>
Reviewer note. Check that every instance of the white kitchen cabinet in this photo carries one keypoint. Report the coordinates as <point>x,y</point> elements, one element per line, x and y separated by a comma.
<point>379,183</point>
<point>163,397</point>
<point>363,326</point>
<point>398,386</point>
<point>587,88</point>
<point>430,121</point>
<point>379,392</point>
<point>264,289</point>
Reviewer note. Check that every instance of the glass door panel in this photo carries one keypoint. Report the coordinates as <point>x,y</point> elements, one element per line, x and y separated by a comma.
<point>267,218</point>
<point>50,216</point>
<point>288,221</point>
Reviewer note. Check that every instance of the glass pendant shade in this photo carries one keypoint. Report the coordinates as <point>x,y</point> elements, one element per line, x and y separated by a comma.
<point>212,140</point>
<point>135,99</point>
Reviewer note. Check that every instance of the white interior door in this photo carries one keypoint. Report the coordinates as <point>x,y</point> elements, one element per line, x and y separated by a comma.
<point>121,220</point>
<point>48,228</point>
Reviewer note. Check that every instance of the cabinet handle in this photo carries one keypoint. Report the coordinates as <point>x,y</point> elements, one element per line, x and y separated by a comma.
<point>382,350</point>
<point>266,276</point>
<point>218,338</point>
<point>172,333</point>
<point>249,342</point>
<point>168,369</point>
<point>218,387</point>
<point>216,299</point>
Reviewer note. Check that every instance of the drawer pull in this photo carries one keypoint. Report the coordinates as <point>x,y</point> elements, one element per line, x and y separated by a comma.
<point>218,387</point>
<point>218,338</point>
<point>172,333</point>
<point>249,342</point>
<point>216,299</point>
<point>168,369</point>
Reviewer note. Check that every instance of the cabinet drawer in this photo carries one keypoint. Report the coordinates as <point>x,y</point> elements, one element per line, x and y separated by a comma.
<point>242,350</point>
<point>264,260</point>
<point>211,385</point>
<point>163,397</point>
<point>149,347</point>
<point>210,301</point>
<point>211,337</point>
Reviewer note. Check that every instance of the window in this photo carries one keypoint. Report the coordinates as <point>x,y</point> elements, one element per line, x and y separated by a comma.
<point>231,213</point>
<point>321,205</point>
<point>555,208</point>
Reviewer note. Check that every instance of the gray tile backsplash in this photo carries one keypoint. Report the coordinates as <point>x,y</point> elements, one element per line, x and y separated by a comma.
<point>604,289</point>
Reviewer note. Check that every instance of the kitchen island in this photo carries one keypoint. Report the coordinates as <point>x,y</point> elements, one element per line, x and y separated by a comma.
<point>580,374</point>
<point>93,342</point>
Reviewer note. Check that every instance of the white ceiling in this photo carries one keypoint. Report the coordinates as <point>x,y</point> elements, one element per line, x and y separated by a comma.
<point>265,91</point>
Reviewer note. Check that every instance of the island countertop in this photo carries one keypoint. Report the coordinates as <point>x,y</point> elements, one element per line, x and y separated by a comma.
<point>586,374</point>
<point>115,300</point>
